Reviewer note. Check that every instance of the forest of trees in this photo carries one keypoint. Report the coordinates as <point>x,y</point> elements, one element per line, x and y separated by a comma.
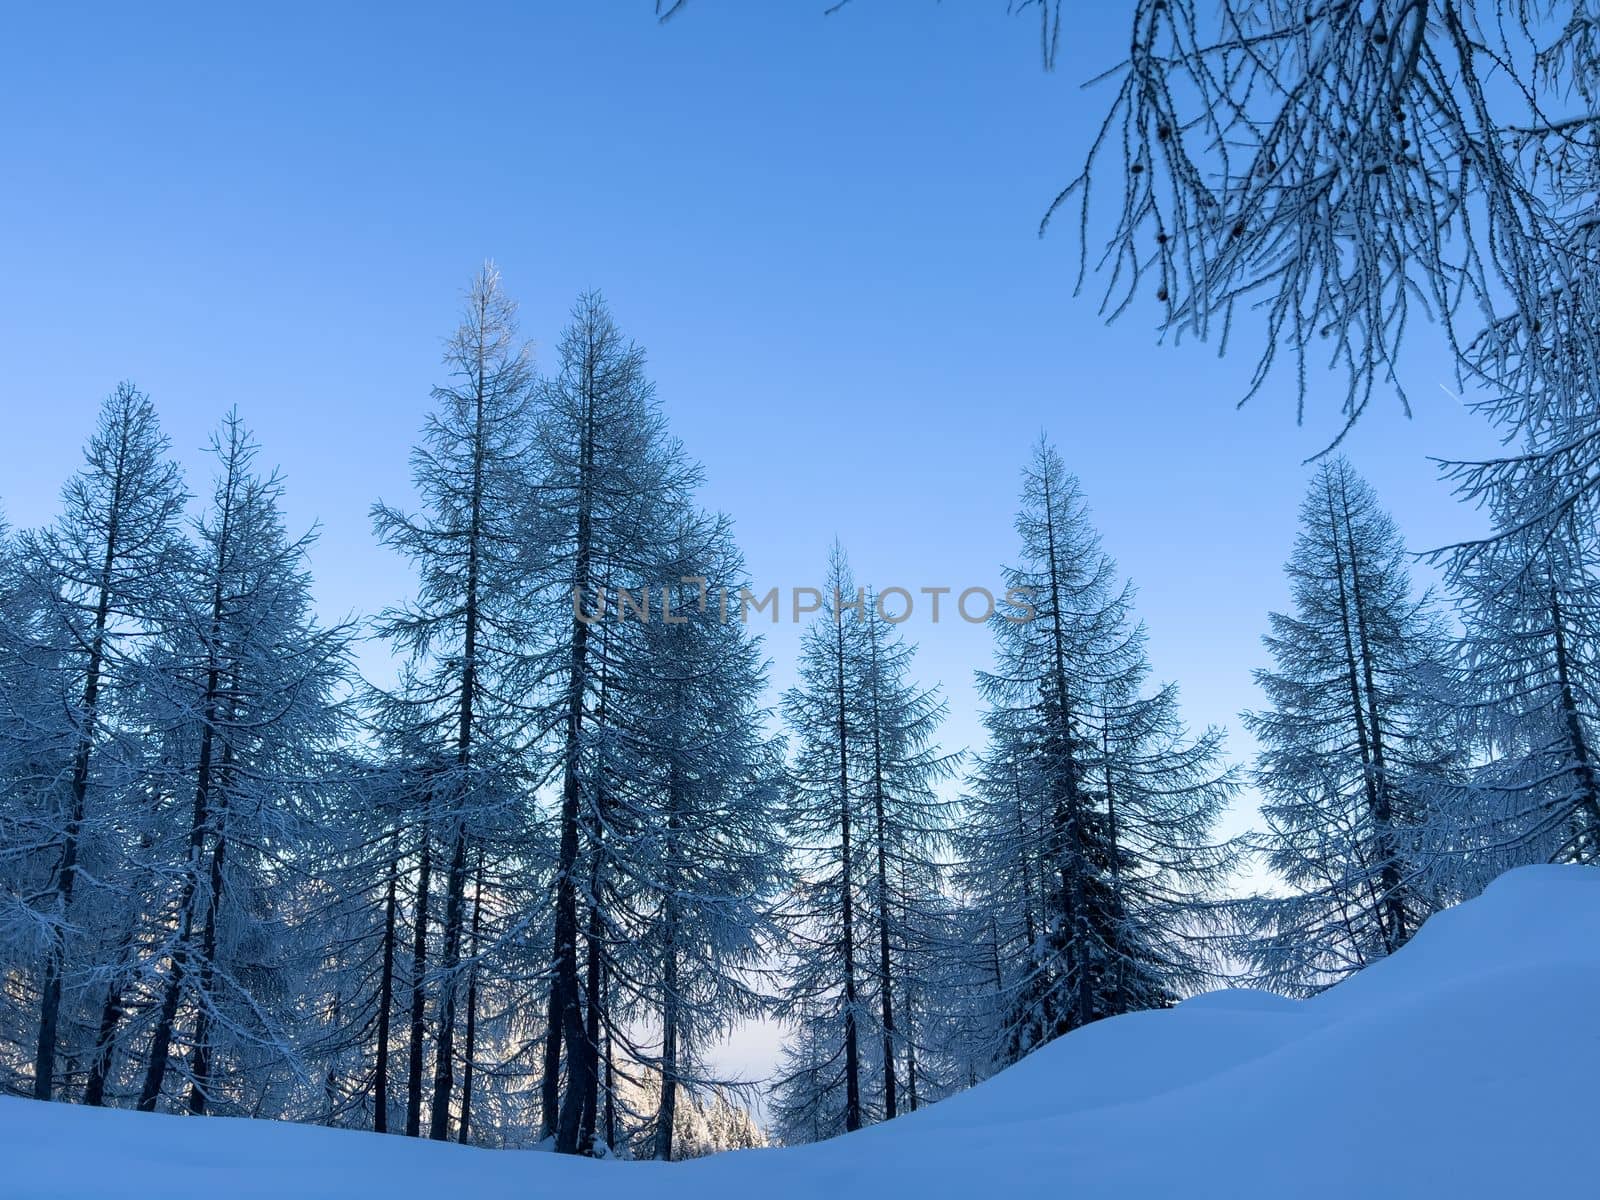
<point>517,892</point>
<point>520,893</point>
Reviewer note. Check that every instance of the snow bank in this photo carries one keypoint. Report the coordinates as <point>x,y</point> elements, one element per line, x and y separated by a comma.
<point>1467,1065</point>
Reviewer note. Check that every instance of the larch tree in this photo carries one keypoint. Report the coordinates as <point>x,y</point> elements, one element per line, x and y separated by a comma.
<point>606,470</point>
<point>1311,179</point>
<point>698,856</point>
<point>36,739</point>
<point>1052,661</point>
<point>827,973</point>
<point>244,687</point>
<point>1350,759</point>
<point>107,566</point>
<point>905,825</point>
<point>1001,869</point>
<point>1090,846</point>
<point>864,808</point>
<point>1165,791</point>
<point>467,638</point>
<point>1527,696</point>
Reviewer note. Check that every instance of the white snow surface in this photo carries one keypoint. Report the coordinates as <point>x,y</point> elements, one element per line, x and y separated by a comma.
<point>1467,1065</point>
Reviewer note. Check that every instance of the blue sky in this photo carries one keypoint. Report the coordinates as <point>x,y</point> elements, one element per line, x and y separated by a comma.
<point>822,228</point>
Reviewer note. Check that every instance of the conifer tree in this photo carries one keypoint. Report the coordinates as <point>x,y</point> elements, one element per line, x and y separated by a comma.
<point>467,638</point>
<point>1350,756</point>
<point>864,806</point>
<point>1089,840</point>
<point>244,686</point>
<point>607,471</point>
<point>697,855</point>
<point>106,566</point>
<point>906,825</point>
<point>35,739</point>
<point>1528,698</point>
<point>1050,669</point>
<point>826,972</point>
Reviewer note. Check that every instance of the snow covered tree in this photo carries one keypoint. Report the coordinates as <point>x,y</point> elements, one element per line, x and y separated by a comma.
<point>348,901</point>
<point>1350,759</point>
<point>905,825</point>
<point>106,567</point>
<point>864,808</point>
<point>1528,692</point>
<point>695,856</point>
<point>808,1104</point>
<point>607,470</point>
<point>244,688</point>
<point>821,1087</point>
<point>1000,849</point>
<point>36,739</point>
<point>467,640</point>
<point>1089,839</point>
<point>1048,670</point>
<point>1164,792</point>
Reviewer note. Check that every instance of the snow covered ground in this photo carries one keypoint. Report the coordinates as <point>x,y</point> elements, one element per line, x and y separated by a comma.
<point>1468,1065</point>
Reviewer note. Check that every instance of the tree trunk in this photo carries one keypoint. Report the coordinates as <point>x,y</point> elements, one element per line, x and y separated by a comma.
<point>105,1044</point>
<point>550,1083</point>
<point>444,1056</point>
<point>611,1083</point>
<point>668,1111</point>
<point>1069,807</point>
<point>419,991</point>
<point>881,836</point>
<point>594,948</point>
<point>567,999</point>
<point>1121,1002</point>
<point>467,1070</point>
<point>852,1056</point>
<point>380,1084</point>
<point>444,1075</point>
<point>201,1073</point>
<point>1577,742</point>
<point>161,1039</point>
<point>911,1052</point>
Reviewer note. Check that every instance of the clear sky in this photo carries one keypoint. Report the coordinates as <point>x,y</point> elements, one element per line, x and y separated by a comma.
<point>822,228</point>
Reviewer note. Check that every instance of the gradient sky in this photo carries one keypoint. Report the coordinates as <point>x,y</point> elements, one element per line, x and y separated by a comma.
<point>823,229</point>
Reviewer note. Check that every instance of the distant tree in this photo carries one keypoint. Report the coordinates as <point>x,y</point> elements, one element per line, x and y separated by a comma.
<point>1089,845</point>
<point>826,974</point>
<point>906,824</point>
<point>1350,759</point>
<point>703,1124</point>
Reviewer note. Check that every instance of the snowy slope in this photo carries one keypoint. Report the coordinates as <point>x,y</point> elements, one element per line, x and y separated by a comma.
<point>1467,1065</point>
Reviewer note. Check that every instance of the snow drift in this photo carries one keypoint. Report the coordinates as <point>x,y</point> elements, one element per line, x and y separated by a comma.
<point>1467,1065</point>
